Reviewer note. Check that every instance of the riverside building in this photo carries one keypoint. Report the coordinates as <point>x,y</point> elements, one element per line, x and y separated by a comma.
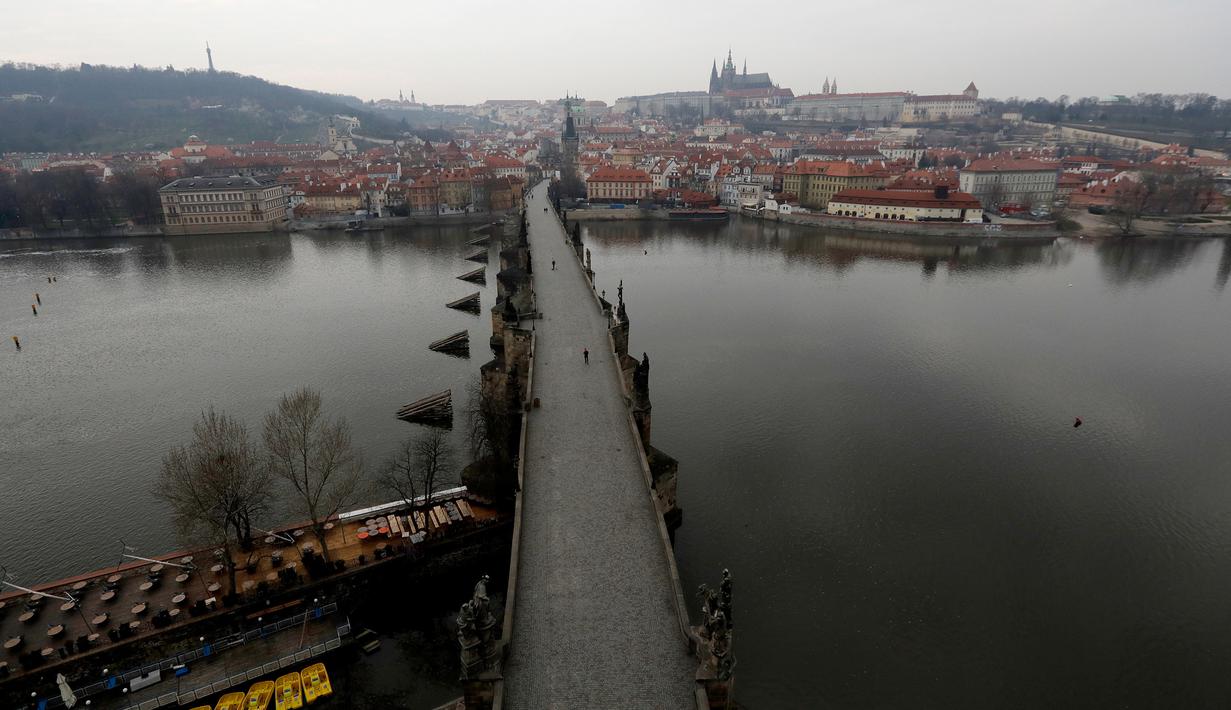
<point>218,205</point>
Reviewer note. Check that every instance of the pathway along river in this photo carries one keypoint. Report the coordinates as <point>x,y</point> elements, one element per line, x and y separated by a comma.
<point>876,437</point>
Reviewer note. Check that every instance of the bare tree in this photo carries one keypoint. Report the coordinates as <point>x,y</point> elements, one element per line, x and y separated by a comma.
<point>315,456</point>
<point>417,465</point>
<point>1130,203</point>
<point>216,485</point>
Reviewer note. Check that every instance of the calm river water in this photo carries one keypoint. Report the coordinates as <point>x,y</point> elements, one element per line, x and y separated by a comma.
<point>876,437</point>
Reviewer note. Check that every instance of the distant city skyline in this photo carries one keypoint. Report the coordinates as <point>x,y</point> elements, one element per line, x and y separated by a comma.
<point>542,50</point>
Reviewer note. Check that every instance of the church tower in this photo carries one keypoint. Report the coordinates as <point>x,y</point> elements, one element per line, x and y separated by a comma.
<point>209,57</point>
<point>972,91</point>
<point>825,87</point>
<point>833,88</point>
<point>715,86</point>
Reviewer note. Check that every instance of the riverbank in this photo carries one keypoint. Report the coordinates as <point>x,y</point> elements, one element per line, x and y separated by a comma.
<point>343,221</point>
<point>1014,231</point>
<point>147,612</point>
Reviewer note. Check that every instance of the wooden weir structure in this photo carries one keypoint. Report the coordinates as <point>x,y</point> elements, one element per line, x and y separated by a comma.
<point>479,255</point>
<point>478,276</point>
<point>470,303</point>
<point>435,409</point>
<point>456,344</point>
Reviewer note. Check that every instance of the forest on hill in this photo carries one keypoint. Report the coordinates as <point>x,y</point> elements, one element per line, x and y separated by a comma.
<point>100,108</point>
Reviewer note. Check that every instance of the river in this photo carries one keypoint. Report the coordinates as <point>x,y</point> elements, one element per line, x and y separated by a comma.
<point>875,436</point>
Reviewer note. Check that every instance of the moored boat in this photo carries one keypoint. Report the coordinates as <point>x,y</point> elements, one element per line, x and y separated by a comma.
<point>259,695</point>
<point>288,692</point>
<point>713,214</point>
<point>315,680</point>
<point>230,701</point>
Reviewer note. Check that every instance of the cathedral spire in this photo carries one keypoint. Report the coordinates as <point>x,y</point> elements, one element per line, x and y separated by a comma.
<point>833,88</point>
<point>745,66</point>
<point>825,86</point>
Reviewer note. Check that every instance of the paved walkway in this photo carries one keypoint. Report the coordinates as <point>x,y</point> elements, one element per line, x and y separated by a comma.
<point>595,624</point>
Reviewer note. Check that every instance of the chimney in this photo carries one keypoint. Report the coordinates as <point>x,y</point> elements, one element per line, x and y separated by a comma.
<point>941,192</point>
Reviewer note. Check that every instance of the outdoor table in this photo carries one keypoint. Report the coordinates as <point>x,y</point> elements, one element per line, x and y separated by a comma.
<point>78,586</point>
<point>138,609</point>
<point>114,579</point>
<point>107,596</point>
<point>179,598</point>
<point>216,569</point>
<point>47,652</point>
<point>134,625</point>
<point>25,617</point>
<point>101,619</point>
<point>173,613</point>
<point>92,639</point>
<point>186,560</point>
<point>298,533</point>
<point>156,569</point>
<point>181,577</point>
<point>214,587</point>
<point>271,577</point>
<point>55,631</point>
<point>329,526</point>
<point>146,586</point>
<point>68,606</point>
<point>270,540</point>
<point>13,643</point>
<point>370,522</point>
<point>362,535</point>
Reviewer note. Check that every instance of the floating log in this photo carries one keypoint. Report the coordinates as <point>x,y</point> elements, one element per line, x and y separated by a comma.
<point>478,276</point>
<point>470,303</point>
<point>479,255</point>
<point>456,344</point>
<point>436,409</point>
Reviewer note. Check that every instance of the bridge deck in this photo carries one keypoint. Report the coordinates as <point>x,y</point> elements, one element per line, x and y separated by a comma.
<point>595,624</point>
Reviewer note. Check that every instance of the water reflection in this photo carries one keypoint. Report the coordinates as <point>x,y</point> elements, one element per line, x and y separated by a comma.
<point>1138,260</point>
<point>1224,265</point>
<point>240,256</point>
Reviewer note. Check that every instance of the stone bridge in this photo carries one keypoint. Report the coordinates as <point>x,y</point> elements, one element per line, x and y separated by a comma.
<point>595,614</point>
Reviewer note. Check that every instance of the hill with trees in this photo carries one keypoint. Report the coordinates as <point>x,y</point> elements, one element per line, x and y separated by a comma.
<point>101,108</point>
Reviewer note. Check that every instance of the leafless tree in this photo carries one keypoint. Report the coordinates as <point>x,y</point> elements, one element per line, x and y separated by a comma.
<point>417,466</point>
<point>315,455</point>
<point>1130,203</point>
<point>216,485</point>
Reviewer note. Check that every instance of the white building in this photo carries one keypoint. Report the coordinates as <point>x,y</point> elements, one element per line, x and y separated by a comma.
<point>998,182</point>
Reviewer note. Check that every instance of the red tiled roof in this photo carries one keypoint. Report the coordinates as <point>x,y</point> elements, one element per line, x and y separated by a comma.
<point>611,173</point>
<point>987,165</point>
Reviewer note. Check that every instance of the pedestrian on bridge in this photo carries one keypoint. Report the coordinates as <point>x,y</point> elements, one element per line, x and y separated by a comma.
<point>585,354</point>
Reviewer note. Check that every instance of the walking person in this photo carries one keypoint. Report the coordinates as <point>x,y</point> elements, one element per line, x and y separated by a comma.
<point>553,264</point>
<point>585,354</point>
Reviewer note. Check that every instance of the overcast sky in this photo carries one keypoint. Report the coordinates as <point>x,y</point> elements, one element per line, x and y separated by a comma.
<point>464,51</point>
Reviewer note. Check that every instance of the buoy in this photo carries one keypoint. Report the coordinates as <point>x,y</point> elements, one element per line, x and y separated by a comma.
<point>40,301</point>
<point>17,342</point>
<point>48,279</point>
<point>34,308</point>
<point>53,278</point>
<point>1076,422</point>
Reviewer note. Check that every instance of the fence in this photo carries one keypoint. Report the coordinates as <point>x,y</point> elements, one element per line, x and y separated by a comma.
<point>209,650</point>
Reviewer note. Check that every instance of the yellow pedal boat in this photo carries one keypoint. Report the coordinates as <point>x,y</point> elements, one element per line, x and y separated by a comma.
<point>259,695</point>
<point>230,701</point>
<point>315,681</point>
<point>288,692</point>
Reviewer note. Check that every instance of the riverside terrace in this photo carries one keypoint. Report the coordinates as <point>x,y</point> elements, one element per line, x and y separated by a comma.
<point>140,601</point>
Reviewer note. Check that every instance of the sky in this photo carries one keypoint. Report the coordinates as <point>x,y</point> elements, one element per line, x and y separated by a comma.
<point>466,51</point>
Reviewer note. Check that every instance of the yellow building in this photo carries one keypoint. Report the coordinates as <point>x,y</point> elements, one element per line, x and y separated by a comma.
<point>813,182</point>
<point>223,204</point>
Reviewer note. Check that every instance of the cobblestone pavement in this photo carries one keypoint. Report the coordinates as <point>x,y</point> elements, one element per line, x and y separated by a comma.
<point>595,625</point>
